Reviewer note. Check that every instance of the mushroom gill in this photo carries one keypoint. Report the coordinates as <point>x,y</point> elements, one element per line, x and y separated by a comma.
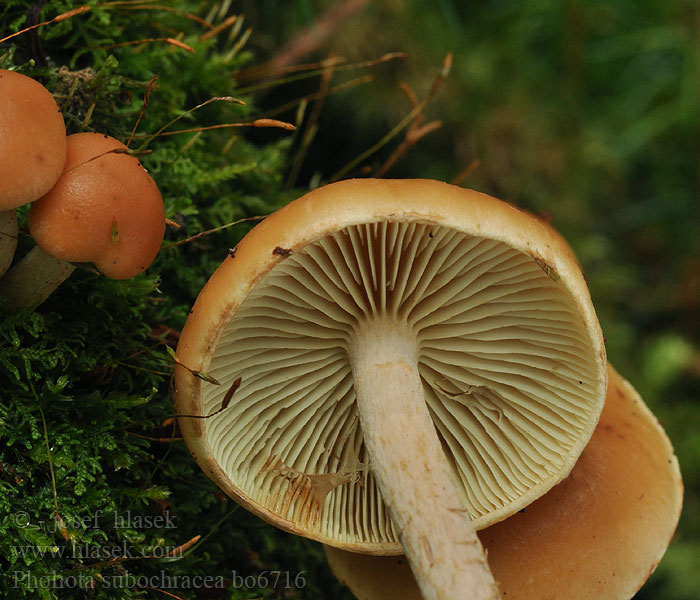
<point>503,354</point>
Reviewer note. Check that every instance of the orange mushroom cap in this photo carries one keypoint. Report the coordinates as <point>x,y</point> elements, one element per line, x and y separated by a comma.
<point>598,535</point>
<point>105,209</point>
<point>32,140</point>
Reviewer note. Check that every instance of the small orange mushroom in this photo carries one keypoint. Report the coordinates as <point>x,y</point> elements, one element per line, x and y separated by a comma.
<point>105,209</point>
<point>32,151</point>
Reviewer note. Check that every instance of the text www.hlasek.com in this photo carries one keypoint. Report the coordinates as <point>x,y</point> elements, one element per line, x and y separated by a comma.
<point>124,551</point>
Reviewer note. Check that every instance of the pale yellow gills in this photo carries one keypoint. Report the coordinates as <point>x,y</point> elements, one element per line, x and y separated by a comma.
<point>598,535</point>
<point>414,357</point>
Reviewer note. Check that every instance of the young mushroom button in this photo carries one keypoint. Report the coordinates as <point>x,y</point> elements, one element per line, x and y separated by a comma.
<point>104,209</point>
<point>420,361</point>
<point>625,493</point>
<point>32,151</point>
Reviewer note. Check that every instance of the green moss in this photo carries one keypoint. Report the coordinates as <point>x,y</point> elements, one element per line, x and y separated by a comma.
<point>93,495</point>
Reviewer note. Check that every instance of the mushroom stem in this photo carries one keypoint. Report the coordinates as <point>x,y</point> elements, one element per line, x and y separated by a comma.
<point>33,279</point>
<point>8,238</point>
<point>411,469</point>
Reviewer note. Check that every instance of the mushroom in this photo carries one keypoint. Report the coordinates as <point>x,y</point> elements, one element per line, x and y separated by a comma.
<point>599,534</point>
<point>105,209</point>
<point>32,151</point>
<point>416,361</point>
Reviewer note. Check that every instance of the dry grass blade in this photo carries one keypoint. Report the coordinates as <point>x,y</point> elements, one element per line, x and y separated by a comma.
<point>256,123</point>
<point>59,521</point>
<point>148,5</point>
<point>219,28</point>
<point>228,396</point>
<point>194,372</point>
<point>413,136</point>
<point>196,236</point>
<point>167,40</point>
<point>263,70</point>
<point>161,131</point>
<point>183,547</point>
<point>312,70</point>
<point>107,152</point>
<point>146,100</point>
<point>62,17</point>
<point>415,132</point>
<point>270,123</point>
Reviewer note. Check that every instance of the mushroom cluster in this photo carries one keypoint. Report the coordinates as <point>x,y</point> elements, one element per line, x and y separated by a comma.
<point>92,201</point>
<point>411,361</point>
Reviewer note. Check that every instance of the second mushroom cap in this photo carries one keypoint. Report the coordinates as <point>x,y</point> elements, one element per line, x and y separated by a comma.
<point>105,209</point>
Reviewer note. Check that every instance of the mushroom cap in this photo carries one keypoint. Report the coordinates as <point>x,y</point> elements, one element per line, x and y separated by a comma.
<point>33,140</point>
<point>510,354</point>
<point>598,535</point>
<point>105,209</point>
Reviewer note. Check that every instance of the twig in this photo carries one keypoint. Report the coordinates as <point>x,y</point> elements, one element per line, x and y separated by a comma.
<point>146,100</point>
<point>188,112</point>
<point>210,231</point>
<point>219,28</point>
<point>224,405</point>
<point>62,17</point>
<point>413,136</point>
<point>107,152</point>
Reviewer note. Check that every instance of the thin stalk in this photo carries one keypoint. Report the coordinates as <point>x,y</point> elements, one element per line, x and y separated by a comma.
<point>33,279</point>
<point>412,472</point>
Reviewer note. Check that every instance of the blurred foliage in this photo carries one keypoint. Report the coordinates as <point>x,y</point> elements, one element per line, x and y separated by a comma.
<point>586,113</point>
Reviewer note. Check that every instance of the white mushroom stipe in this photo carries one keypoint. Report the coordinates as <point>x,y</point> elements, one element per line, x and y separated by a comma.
<point>408,462</point>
